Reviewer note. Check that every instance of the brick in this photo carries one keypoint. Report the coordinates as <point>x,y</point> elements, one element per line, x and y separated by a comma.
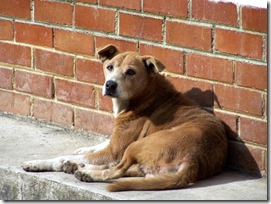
<point>251,75</point>
<point>74,42</point>
<point>209,68</point>
<point>239,43</point>
<point>15,8</point>
<point>93,121</point>
<point>15,54</point>
<point>37,84</point>
<point>245,158</point>
<point>172,59</point>
<point>95,18</point>
<point>54,62</point>
<point>87,1</point>
<point>89,71</point>
<point>105,102</point>
<point>254,19</point>
<point>6,75</point>
<point>53,12</point>
<point>217,12</point>
<point>6,28</point>
<point>253,131</point>
<point>122,45</point>
<point>133,5</point>
<point>230,122</point>
<point>187,35</point>
<point>34,34</point>
<point>238,99</point>
<point>15,103</point>
<point>53,112</point>
<point>199,91</point>
<point>140,27</point>
<point>76,93</point>
<point>176,8</point>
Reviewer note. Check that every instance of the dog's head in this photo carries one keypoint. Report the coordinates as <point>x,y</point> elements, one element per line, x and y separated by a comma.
<point>126,74</point>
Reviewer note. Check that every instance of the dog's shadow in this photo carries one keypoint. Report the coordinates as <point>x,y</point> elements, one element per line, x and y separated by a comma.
<point>239,158</point>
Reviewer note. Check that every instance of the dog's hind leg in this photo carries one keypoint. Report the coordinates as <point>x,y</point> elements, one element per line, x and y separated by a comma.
<point>103,175</point>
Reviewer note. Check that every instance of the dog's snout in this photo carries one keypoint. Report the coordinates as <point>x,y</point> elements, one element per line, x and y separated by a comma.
<point>111,85</point>
<point>110,88</point>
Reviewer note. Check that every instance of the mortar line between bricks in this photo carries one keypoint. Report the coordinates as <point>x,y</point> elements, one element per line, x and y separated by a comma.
<point>264,57</point>
<point>239,17</point>
<point>189,9</point>
<point>32,10</point>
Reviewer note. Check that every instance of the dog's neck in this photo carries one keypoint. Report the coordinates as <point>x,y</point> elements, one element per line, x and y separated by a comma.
<point>119,106</point>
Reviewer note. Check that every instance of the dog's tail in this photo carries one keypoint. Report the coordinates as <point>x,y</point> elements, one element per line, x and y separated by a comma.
<point>185,175</point>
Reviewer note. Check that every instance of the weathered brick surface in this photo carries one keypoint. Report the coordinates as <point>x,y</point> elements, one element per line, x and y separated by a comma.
<point>37,84</point>
<point>140,27</point>
<point>214,52</point>
<point>217,12</point>
<point>6,28</point>
<point>74,42</point>
<point>209,68</point>
<point>240,100</point>
<point>89,71</point>
<point>34,34</point>
<point>186,35</point>
<point>15,54</point>
<point>94,121</point>
<point>6,75</point>
<point>174,63</point>
<point>239,43</point>
<point>53,12</point>
<point>251,75</point>
<point>54,62</point>
<point>15,8</point>
<point>53,112</point>
<point>177,8</point>
<point>95,18</point>
<point>254,19</point>
<point>15,103</point>
<point>133,5</point>
<point>75,93</point>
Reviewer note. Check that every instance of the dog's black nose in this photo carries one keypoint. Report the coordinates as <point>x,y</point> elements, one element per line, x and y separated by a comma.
<point>111,86</point>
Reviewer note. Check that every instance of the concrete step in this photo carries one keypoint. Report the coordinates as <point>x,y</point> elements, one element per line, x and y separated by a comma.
<point>23,139</point>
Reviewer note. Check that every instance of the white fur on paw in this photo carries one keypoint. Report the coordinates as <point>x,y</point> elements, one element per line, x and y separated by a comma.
<point>36,165</point>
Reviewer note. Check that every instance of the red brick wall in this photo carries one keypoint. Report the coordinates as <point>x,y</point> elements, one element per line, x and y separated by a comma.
<point>215,52</point>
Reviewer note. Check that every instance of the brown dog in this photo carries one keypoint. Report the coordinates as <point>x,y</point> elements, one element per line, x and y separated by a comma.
<point>159,135</point>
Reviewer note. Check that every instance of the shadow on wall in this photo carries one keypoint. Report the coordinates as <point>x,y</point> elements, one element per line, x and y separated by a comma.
<point>239,155</point>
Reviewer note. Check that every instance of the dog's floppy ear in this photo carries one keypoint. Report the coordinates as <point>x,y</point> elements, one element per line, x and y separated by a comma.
<point>107,52</point>
<point>153,65</point>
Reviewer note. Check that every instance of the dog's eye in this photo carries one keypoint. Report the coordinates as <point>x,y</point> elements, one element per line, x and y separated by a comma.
<point>130,72</point>
<point>110,68</point>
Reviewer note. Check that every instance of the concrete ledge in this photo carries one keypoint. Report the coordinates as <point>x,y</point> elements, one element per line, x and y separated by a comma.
<point>24,139</point>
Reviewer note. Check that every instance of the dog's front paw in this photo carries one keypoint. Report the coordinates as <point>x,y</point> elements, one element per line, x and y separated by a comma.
<point>84,175</point>
<point>70,167</point>
<point>36,165</point>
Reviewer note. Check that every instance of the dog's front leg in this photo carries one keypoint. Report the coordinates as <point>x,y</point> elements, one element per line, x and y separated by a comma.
<point>56,164</point>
